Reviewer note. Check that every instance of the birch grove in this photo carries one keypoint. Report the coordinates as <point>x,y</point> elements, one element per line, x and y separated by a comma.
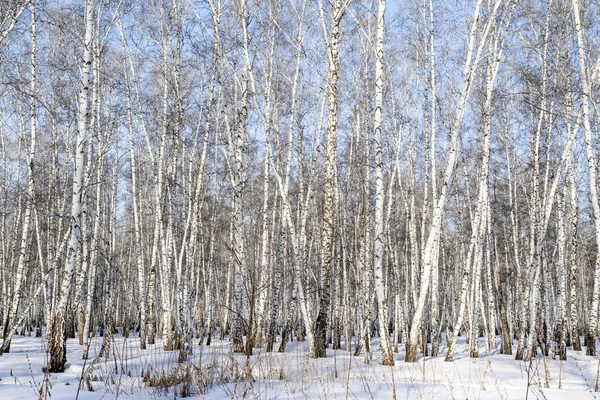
<point>356,175</point>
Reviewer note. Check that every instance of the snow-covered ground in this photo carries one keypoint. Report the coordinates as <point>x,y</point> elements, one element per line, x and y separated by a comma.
<point>216,373</point>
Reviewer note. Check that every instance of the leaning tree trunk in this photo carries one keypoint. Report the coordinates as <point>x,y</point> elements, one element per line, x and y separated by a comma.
<point>10,325</point>
<point>438,212</point>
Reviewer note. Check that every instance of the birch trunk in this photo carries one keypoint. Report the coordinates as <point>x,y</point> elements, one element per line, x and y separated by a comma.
<point>561,321</point>
<point>139,258</point>
<point>380,240</point>
<point>573,257</point>
<point>9,325</point>
<point>327,257</point>
<point>436,220</point>
<point>57,345</point>
<point>93,262</point>
<point>593,182</point>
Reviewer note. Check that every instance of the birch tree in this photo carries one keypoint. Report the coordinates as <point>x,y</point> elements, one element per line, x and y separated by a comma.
<point>592,172</point>
<point>474,52</point>
<point>386,357</point>
<point>327,239</point>
<point>9,325</point>
<point>58,349</point>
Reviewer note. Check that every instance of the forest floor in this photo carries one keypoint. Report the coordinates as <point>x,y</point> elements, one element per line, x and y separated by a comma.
<point>214,372</point>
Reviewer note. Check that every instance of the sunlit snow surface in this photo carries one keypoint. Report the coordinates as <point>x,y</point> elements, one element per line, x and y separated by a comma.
<point>214,372</point>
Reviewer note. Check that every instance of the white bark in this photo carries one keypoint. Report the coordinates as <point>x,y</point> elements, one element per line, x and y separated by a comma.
<point>8,21</point>
<point>380,240</point>
<point>436,221</point>
<point>58,342</point>
<point>29,201</point>
<point>592,172</point>
<point>326,251</point>
<point>297,261</point>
